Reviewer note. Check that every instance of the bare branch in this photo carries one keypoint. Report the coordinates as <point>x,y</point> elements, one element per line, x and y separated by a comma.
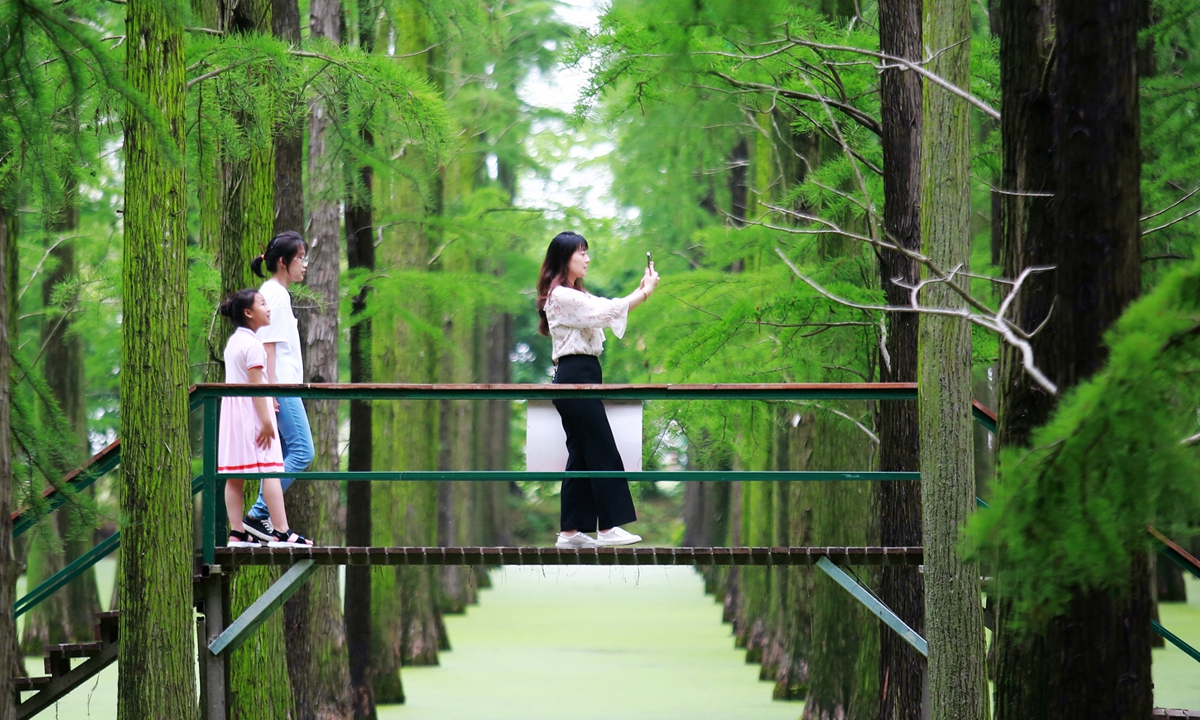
<point>1166,225</point>
<point>1172,206</point>
<point>1014,193</point>
<point>864,428</point>
<point>903,63</point>
<point>887,358</point>
<point>996,322</point>
<point>854,113</point>
<point>939,274</point>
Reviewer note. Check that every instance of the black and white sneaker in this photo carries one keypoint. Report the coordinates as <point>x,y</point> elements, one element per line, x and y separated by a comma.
<point>261,529</point>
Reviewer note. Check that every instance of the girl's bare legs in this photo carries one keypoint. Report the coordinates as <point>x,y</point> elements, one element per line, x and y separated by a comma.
<point>233,505</point>
<point>273,495</point>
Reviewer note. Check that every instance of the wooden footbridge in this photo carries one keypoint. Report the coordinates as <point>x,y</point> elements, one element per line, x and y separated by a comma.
<point>218,636</point>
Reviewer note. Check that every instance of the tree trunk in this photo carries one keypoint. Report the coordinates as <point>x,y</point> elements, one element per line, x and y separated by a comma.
<point>406,621</point>
<point>155,660</point>
<point>1169,577</point>
<point>492,523</point>
<point>258,674</point>
<point>1026,49</point>
<point>64,373</point>
<point>1099,650</point>
<point>14,667</point>
<point>954,615</point>
<point>844,662</point>
<point>289,141</point>
<point>315,635</point>
<point>794,449</point>
<point>360,255</point>
<point>247,184</point>
<point>901,667</point>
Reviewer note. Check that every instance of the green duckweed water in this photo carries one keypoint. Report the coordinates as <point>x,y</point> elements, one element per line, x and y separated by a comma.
<point>621,643</point>
<point>591,642</point>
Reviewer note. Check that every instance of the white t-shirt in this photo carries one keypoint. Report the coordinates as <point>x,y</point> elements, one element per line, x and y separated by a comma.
<point>284,332</point>
<point>577,321</point>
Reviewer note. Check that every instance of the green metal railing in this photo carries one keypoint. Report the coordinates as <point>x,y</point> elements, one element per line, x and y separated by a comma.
<point>210,483</point>
<point>207,397</point>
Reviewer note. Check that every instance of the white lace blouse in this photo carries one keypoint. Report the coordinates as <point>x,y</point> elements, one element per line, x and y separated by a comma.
<point>577,321</point>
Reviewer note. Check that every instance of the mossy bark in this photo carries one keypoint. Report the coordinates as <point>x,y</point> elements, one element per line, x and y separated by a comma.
<point>406,622</point>
<point>843,664</point>
<point>314,632</point>
<point>13,666</point>
<point>794,591</point>
<point>289,140</point>
<point>259,683</point>
<point>63,370</point>
<point>155,660</point>
<point>954,614</point>
<point>49,622</point>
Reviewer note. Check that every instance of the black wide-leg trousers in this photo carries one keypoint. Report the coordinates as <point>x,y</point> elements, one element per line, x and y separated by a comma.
<point>590,503</point>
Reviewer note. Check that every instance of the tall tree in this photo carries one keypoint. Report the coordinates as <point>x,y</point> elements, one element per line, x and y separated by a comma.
<point>843,672</point>
<point>258,675</point>
<point>289,140</point>
<point>155,662</point>
<point>13,667</point>
<point>65,616</point>
<point>1027,231</point>
<point>360,256</point>
<point>901,668</point>
<point>315,634</point>
<point>404,600</point>
<point>1094,659</point>
<point>64,373</point>
<point>954,615</point>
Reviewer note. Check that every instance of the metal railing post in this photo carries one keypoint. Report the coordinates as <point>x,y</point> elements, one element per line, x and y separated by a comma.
<point>212,409</point>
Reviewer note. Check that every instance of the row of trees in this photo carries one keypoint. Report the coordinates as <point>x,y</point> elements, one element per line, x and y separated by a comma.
<point>857,140</point>
<point>862,140</point>
<point>171,140</point>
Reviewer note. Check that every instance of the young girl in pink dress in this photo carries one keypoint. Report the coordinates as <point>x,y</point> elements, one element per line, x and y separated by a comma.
<point>249,440</point>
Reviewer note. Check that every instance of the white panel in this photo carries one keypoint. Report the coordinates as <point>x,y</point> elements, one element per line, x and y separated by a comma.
<point>546,443</point>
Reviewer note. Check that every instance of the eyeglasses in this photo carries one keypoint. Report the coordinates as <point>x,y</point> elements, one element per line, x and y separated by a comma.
<point>303,261</point>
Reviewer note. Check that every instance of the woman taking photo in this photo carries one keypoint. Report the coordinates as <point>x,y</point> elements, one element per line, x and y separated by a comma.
<point>575,322</point>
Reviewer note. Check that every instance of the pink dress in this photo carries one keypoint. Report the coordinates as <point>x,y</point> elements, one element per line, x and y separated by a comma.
<point>237,451</point>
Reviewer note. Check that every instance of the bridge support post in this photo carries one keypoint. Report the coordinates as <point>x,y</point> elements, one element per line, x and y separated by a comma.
<point>213,667</point>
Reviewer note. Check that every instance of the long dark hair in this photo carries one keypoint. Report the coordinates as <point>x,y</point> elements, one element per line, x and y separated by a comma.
<point>285,246</point>
<point>235,306</point>
<point>554,271</point>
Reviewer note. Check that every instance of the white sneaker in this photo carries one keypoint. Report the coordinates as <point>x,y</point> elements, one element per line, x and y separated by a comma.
<point>574,542</point>
<point>617,536</point>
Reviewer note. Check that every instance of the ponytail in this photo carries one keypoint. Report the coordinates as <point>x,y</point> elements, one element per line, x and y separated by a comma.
<point>235,306</point>
<point>285,246</point>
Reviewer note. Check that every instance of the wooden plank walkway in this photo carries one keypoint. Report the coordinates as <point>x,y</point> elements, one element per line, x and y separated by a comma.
<point>551,556</point>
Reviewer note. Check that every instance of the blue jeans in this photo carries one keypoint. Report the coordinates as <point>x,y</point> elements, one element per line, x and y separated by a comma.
<point>295,439</point>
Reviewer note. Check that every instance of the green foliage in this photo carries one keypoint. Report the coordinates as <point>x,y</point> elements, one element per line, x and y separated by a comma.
<point>1170,143</point>
<point>1069,512</point>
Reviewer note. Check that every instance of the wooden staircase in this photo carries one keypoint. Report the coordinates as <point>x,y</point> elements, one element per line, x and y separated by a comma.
<point>60,677</point>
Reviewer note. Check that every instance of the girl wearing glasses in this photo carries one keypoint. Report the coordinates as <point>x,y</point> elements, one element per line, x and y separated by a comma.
<point>286,260</point>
